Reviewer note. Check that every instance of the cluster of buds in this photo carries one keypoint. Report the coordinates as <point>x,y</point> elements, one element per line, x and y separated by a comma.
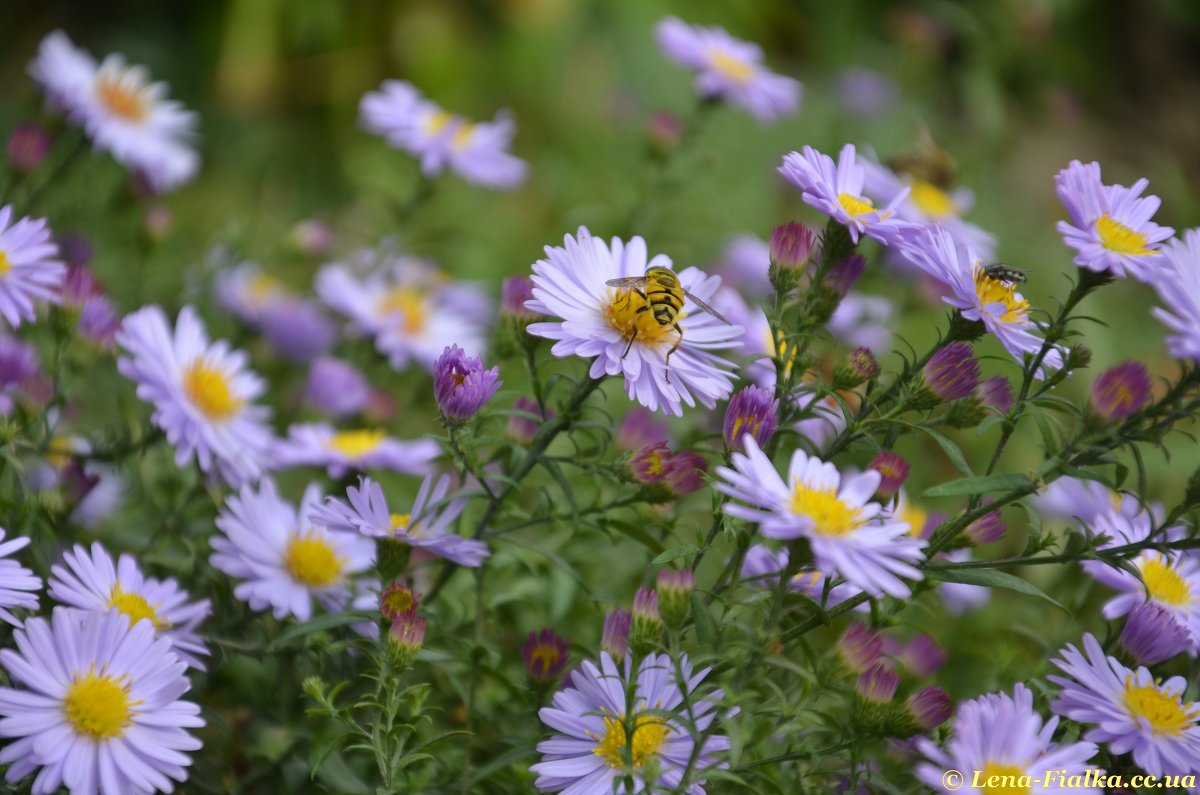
<point>872,660</point>
<point>667,474</point>
<point>398,607</point>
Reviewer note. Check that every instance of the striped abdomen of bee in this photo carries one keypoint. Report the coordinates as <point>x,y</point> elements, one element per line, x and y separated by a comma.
<point>664,295</point>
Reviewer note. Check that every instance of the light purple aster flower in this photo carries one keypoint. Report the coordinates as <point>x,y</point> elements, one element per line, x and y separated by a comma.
<point>90,581</point>
<point>1081,501</point>
<point>30,270</point>
<point>460,384</point>
<point>283,558</point>
<point>1132,712</point>
<point>744,265</point>
<point>607,323</point>
<point>863,321</point>
<point>610,724</point>
<point>1001,735</point>
<point>297,330</point>
<point>994,302</point>
<point>751,411</point>
<point>729,69</point>
<point>203,393</point>
<point>476,151</point>
<point>1121,391</point>
<point>426,525</point>
<point>336,387</point>
<point>1178,285</point>
<point>614,637</point>
<point>247,292</point>
<point>18,362</point>
<point>96,706</point>
<point>997,392</point>
<point>839,192</point>
<point>1110,225</point>
<point>850,536</point>
<point>319,444</point>
<point>640,427</point>
<point>1152,634</point>
<point>762,567</point>
<point>515,292</point>
<point>19,586</point>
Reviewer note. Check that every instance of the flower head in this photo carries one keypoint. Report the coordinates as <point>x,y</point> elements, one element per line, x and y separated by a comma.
<point>546,655</point>
<point>859,647</point>
<point>1110,226</point>
<point>360,449</point>
<point>685,473</point>
<point>1152,634</point>
<point>922,655</point>
<point>675,588</point>
<point>858,367</point>
<point>398,600</point>
<point>791,245</point>
<point>728,69</point>
<point>99,682</point>
<point>997,392</point>
<point>987,528</point>
<point>30,270</point>
<point>610,324</point>
<point>19,586</point>
<point>611,722</point>
<point>892,469</point>
<point>247,292</point>
<point>649,464</point>
<point>614,638</point>
<point>1178,286</point>
<point>298,331</point>
<point>878,683</point>
<point>752,411</point>
<point>1121,391</point>
<point>953,372</point>
<point>336,387</point>
<point>515,293</point>
<point>203,394</point>
<point>405,638</point>
<point>929,707</point>
<point>461,386</point>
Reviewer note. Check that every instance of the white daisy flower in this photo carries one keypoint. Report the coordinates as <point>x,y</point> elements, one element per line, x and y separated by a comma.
<point>202,393</point>
<point>30,270</point>
<point>18,585</point>
<point>850,536</point>
<point>611,324</point>
<point>92,582</point>
<point>320,444</point>
<point>284,558</point>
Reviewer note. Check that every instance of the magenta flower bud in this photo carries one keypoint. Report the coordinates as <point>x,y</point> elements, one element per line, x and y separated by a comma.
<point>649,465</point>
<point>297,330</point>
<point>546,654</point>
<point>987,528</point>
<point>74,249</point>
<point>878,683</point>
<point>638,428</point>
<point>858,367</point>
<point>398,600</point>
<point>1151,634</point>
<point>845,273</point>
<point>461,386</point>
<point>28,146</point>
<point>929,707</point>
<point>685,473</point>
<point>1121,391</point>
<point>336,387</point>
<point>675,595</point>
<point>923,656</point>
<point>892,469</point>
<point>99,321</point>
<point>997,392</point>
<point>312,237</point>
<point>859,647</point>
<point>523,429</point>
<point>791,245</point>
<point>615,637</point>
<point>514,292</point>
<point>157,221</point>
<point>752,411</point>
<point>405,638</point>
<point>664,130</point>
<point>953,372</point>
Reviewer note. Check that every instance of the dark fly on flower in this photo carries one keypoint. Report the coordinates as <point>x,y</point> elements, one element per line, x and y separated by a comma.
<point>1004,273</point>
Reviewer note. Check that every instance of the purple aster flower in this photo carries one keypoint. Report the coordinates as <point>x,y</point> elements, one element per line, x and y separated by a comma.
<point>1077,500</point>
<point>99,321</point>
<point>30,270</point>
<point>1121,391</point>
<point>100,684</point>
<point>319,444</point>
<point>728,69</point>
<point>649,465</point>
<point>837,191</point>
<point>18,362</point>
<point>892,469</point>
<point>929,707</point>
<point>845,273</point>
<point>638,428</point>
<point>614,639</point>
<point>28,145</point>
<point>1110,225</point>
<point>426,525</point>
<point>878,683</point>
<point>685,473</point>
<point>791,245</point>
<point>515,292</point>
<point>863,321</point>
<point>546,655</point>
<point>859,647</point>
<point>762,567</point>
<point>1178,285</point>
<point>997,392</point>
<point>297,330</point>
<point>460,384</point>
<point>336,387</point>
<point>953,372</point>
<point>523,428</point>
<point>1131,711</point>
<point>752,411</point>
<point>19,586</point>
<point>923,656</point>
<point>1152,634</point>
<point>987,528</point>
<point>611,722</point>
<point>999,735</point>
<point>865,93</point>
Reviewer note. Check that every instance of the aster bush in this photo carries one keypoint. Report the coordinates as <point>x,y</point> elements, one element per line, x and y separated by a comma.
<point>634,500</point>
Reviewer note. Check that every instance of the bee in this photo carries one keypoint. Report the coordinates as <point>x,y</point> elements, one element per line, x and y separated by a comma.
<point>1004,273</point>
<point>663,295</point>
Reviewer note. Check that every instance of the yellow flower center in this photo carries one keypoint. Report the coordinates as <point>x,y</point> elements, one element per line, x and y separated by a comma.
<point>5,263</point>
<point>123,96</point>
<point>262,285</point>
<point>399,600</point>
<point>932,200</point>
<point>855,205</point>
<point>208,388</point>
<point>996,291</point>
<point>615,748</point>
<point>916,516</point>
<point>355,444</point>
<point>1120,239</point>
<point>136,607</point>
<point>99,706</point>
<point>436,122</point>
<point>629,315</point>
<point>828,513</point>
<point>1165,714</point>
<point>462,136</point>
<point>1164,583</point>
<point>1006,777</point>
<point>735,69</point>
<point>400,521</point>
<point>548,656</point>
<point>312,561</point>
<point>408,305</point>
<point>59,451</point>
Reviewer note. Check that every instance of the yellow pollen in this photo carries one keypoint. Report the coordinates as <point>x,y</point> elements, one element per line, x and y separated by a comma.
<point>136,607</point>
<point>746,425</point>
<point>400,521</point>
<point>829,515</point>
<point>408,305</point>
<point>916,516</point>
<point>399,600</point>
<point>436,122</point>
<point>623,316</point>
<point>262,285</point>
<point>1120,239</point>
<point>462,136</point>
<point>548,656</point>
<point>5,263</point>
<point>932,200</point>
<point>99,706</point>
<point>735,69</point>
<point>312,561</point>
<point>1007,775</point>
<point>122,96</point>
<point>1163,582</point>
<point>1164,713</point>
<point>208,388</point>
<point>355,444</point>
<point>856,205</point>
<point>997,291</point>
<point>649,734</point>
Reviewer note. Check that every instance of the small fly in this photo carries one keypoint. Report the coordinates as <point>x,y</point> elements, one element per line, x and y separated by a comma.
<point>1005,273</point>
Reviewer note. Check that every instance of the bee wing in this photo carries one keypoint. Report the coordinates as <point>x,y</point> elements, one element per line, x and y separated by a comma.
<point>628,282</point>
<point>707,308</point>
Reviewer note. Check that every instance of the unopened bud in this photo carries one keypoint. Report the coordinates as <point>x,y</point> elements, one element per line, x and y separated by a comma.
<point>675,595</point>
<point>646,632</point>
<point>858,367</point>
<point>405,638</point>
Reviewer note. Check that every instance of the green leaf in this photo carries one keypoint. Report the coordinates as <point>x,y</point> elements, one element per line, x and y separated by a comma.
<point>989,578</point>
<point>638,534</point>
<point>318,624</point>
<point>983,484</point>
<point>705,633</point>
<point>675,553</point>
<point>952,451</point>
